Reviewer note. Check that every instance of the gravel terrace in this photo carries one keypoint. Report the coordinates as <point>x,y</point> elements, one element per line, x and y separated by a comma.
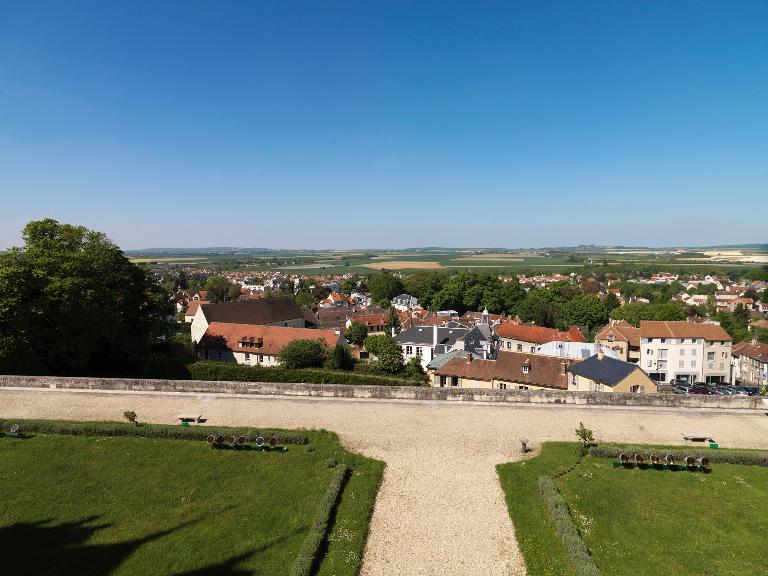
<point>440,510</point>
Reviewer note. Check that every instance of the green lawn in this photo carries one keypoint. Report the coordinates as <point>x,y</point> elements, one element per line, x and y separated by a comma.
<point>644,522</point>
<point>97,505</point>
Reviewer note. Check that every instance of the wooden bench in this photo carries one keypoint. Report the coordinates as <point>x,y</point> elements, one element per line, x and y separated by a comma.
<point>698,437</point>
<point>190,417</point>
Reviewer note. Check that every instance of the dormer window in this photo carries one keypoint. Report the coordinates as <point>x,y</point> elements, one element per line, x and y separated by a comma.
<point>526,369</point>
<point>610,338</point>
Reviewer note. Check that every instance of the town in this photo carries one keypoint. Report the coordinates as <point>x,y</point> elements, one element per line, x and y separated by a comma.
<point>686,334</point>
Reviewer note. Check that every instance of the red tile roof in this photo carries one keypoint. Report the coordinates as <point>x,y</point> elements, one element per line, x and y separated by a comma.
<point>537,334</point>
<point>221,335</point>
<point>542,371</point>
<point>682,329</point>
<point>622,331</point>
<point>193,306</point>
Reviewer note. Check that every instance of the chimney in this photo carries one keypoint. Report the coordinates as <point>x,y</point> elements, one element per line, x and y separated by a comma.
<point>434,336</point>
<point>563,366</point>
<point>469,358</point>
<point>600,353</point>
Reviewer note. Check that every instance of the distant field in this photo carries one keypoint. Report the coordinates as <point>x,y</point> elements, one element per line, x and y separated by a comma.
<point>341,262</point>
<point>170,259</point>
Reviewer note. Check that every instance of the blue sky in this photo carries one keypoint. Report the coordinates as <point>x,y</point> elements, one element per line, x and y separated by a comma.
<point>386,124</point>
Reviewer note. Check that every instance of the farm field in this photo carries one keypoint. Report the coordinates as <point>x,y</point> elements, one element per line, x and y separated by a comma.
<point>645,522</point>
<point>341,262</point>
<point>97,505</point>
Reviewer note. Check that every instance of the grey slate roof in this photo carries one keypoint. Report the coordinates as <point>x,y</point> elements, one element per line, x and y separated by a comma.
<point>422,335</point>
<point>262,311</point>
<point>608,371</point>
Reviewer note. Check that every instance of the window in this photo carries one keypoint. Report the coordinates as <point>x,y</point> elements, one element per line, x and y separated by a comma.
<point>650,363</point>
<point>710,356</point>
<point>418,350</point>
<point>526,369</point>
<point>455,381</point>
<point>519,347</point>
<point>522,387</point>
<point>219,354</point>
<point>649,351</point>
<point>663,340</point>
<point>663,354</point>
<point>721,366</point>
<point>722,354</point>
<point>681,364</point>
<point>443,381</point>
<point>533,349</point>
<point>261,358</point>
<point>247,357</point>
<point>408,350</point>
<point>598,387</point>
<point>502,385</point>
<point>509,345</point>
<point>693,363</point>
<point>610,338</point>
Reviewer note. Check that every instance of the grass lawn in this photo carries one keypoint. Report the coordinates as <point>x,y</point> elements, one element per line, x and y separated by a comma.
<point>96,505</point>
<point>644,522</point>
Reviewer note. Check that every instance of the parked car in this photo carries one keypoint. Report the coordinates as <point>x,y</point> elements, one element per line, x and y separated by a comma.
<point>701,390</point>
<point>679,382</point>
<point>681,390</point>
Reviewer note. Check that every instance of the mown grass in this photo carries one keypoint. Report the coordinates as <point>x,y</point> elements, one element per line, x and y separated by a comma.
<point>534,528</point>
<point>91,505</point>
<point>645,522</point>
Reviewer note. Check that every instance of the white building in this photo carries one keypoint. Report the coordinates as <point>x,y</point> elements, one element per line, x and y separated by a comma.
<point>685,350</point>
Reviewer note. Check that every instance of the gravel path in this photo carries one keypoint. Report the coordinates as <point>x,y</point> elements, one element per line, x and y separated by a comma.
<point>440,510</point>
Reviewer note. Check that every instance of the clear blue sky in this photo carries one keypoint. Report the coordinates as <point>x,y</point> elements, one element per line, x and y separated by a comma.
<point>386,124</point>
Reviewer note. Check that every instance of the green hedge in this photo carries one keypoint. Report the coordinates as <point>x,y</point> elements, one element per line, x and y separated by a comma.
<point>569,534</point>
<point>720,456</point>
<point>164,431</point>
<point>309,554</point>
<point>229,371</point>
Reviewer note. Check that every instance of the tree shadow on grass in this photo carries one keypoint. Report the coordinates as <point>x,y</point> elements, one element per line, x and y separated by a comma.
<point>232,566</point>
<point>42,548</point>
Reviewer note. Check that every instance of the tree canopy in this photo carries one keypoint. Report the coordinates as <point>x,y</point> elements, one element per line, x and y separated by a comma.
<point>72,303</point>
<point>384,286</point>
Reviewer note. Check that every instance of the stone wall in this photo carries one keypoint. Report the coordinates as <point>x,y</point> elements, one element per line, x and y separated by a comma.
<point>389,392</point>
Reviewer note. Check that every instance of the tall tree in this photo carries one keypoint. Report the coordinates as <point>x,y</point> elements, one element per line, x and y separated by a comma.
<point>384,286</point>
<point>72,303</point>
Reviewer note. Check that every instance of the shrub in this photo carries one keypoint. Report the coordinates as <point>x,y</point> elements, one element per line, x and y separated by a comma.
<point>309,553</point>
<point>130,415</point>
<point>226,371</point>
<point>586,436</point>
<point>341,359</point>
<point>391,361</point>
<point>331,463</point>
<point>743,457</point>
<point>163,431</point>
<point>413,369</point>
<point>303,353</point>
<point>574,546</point>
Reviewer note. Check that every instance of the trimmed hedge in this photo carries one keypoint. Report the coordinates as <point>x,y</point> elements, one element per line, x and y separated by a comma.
<point>163,431</point>
<point>309,554</point>
<point>720,456</point>
<point>569,534</point>
<point>237,372</point>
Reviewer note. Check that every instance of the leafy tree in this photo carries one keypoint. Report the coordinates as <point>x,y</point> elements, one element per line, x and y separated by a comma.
<point>637,311</point>
<point>181,280</point>
<point>741,316</point>
<point>393,322</point>
<point>378,343</point>
<point>72,303</point>
<point>130,415</point>
<point>221,290</point>
<point>391,360</point>
<point>542,307</point>
<point>348,286</point>
<point>611,301</point>
<point>357,333</point>
<point>764,296</point>
<point>303,353</point>
<point>586,436</point>
<point>413,369</point>
<point>751,293</point>
<point>341,358</point>
<point>384,286</point>
<point>584,310</point>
